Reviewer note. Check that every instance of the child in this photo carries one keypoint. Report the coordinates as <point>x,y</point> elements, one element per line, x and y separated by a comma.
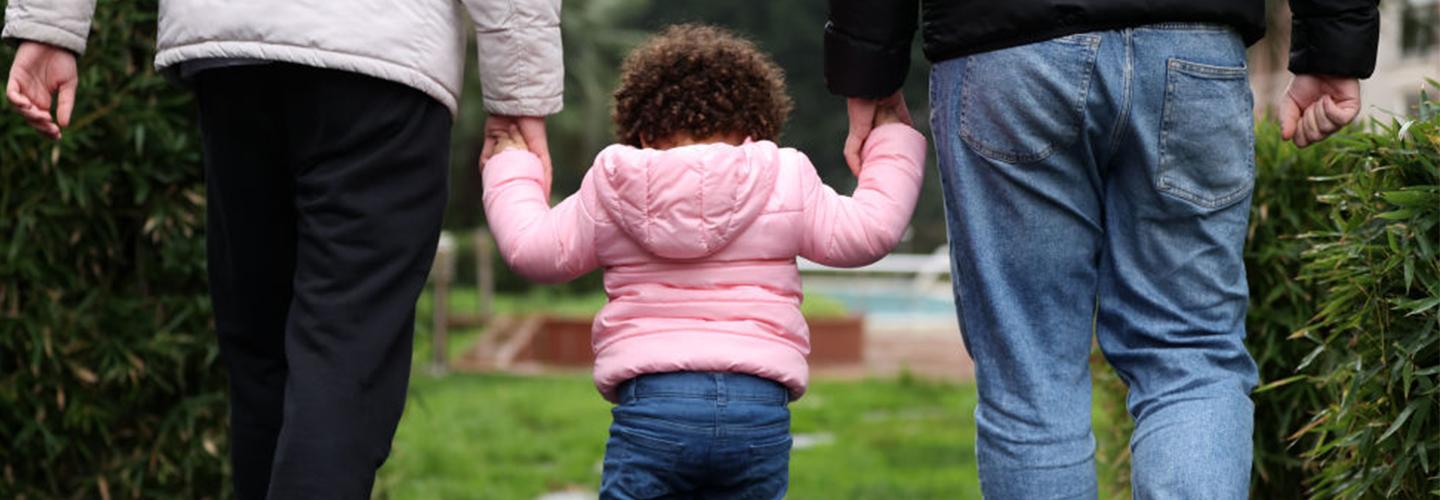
<point>696,218</point>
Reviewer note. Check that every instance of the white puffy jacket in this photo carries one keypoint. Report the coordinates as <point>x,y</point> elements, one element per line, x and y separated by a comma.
<point>420,43</point>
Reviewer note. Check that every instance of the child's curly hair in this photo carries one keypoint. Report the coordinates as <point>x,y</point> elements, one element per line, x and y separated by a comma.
<point>699,80</point>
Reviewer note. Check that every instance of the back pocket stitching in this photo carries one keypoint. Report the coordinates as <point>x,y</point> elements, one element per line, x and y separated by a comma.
<point>639,439</point>
<point>786,442</point>
<point>1162,180</point>
<point>1203,70</point>
<point>639,483</point>
<point>1090,44</point>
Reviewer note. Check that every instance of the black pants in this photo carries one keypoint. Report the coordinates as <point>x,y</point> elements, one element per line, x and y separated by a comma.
<point>325,195</point>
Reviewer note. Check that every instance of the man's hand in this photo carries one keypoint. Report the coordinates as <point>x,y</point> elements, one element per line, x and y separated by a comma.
<point>500,141</point>
<point>1315,106</point>
<point>38,72</point>
<point>532,134</point>
<point>895,112</point>
<point>862,120</point>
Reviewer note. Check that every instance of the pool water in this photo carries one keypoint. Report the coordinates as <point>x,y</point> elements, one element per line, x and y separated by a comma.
<point>888,300</point>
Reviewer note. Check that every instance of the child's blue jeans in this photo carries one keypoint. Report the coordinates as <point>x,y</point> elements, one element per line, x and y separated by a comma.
<point>698,435</point>
<point>1098,185</point>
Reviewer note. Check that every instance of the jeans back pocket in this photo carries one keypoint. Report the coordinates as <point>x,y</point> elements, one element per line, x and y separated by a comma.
<point>639,465</point>
<point>769,467</point>
<point>1207,137</point>
<point>1022,103</point>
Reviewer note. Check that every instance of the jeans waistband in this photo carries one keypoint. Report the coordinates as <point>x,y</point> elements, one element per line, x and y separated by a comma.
<point>1187,26</point>
<point>713,386</point>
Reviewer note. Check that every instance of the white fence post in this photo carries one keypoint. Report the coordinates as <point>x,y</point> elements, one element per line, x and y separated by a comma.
<point>442,274</point>
<point>484,274</point>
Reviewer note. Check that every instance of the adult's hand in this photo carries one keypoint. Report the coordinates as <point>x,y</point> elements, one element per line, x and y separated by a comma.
<point>1315,106</point>
<point>39,71</point>
<point>862,120</point>
<point>532,129</point>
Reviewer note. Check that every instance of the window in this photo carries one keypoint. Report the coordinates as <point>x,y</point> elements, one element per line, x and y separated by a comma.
<point>1418,27</point>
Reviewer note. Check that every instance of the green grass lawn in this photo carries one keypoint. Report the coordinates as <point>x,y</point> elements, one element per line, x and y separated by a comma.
<point>473,436</point>
<point>507,437</point>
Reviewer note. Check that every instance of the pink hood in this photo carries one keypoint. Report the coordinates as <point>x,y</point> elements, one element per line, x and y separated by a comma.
<point>698,244</point>
<point>687,202</point>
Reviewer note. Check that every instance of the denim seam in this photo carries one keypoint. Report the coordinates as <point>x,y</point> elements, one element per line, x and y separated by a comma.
<point>668,424</point>
<point>642,439</point>
<point>950,115</point>
<point>1129,75</point>
<point>760,428</point>
<point>1203,70</point>
<point>722,393</point>
<point>1085,39</point>
<point>773,446</point>
<point>1162,182</point>
<point>1090,42</point>
<point>705,396</point>
<point>1187,26</point>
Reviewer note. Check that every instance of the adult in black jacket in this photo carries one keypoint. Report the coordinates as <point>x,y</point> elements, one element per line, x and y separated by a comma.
<point>867,43</point>
<point>1097,162</point>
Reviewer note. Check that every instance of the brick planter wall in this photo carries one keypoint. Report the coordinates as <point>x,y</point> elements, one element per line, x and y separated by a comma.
<point>835,341</point>
<point>561,341</point>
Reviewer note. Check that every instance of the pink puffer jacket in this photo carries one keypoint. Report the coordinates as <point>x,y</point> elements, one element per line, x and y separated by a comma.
<point>698,244</point>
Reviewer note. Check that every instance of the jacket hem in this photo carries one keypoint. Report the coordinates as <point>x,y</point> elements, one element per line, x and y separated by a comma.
<point>320,58</point>
<point>662,352</point>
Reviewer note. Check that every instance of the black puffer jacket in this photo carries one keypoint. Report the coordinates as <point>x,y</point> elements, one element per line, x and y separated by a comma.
<point>867,42</point>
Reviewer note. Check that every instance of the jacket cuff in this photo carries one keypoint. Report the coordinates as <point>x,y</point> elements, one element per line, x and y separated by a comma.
<point>522,70</point>
<point>532,106</point>
<point>26,30</point>
<point>864,69</point>
<point>1342,44</point>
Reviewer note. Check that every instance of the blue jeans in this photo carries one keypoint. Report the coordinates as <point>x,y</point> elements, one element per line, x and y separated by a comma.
<point>1100,182</point>
<point>698,435</point>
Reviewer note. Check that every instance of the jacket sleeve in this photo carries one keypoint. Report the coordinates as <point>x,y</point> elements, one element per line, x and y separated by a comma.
<point>1334,37</point>
<point>852,231</point>
<point>549,245</point>
<point>62,23</point>
<point>867,46</point>
<point>521,60</point>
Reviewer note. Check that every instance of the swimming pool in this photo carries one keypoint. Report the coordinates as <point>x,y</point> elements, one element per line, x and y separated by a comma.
<point>889,301</point>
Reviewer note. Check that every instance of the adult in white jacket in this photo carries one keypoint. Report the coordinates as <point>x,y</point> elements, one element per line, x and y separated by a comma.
<point>326,128</point>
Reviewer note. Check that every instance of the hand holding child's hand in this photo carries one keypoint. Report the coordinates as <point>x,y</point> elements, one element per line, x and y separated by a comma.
<point>865,115</point>
<point>505,139</point>
<point>509,132</point>
<point>892,112</point>
<point>884,112</point>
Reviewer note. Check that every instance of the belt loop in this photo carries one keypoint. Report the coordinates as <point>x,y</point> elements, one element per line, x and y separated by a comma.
<point>628,392</point>
<point>720,393</point>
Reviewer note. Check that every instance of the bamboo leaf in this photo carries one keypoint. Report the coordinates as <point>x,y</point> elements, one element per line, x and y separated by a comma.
<point>1400,420</point>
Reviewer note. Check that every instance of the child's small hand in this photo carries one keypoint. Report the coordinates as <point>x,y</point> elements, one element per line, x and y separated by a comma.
<point>506,139</point>
<point>892,111</point>
<point>886,115</point>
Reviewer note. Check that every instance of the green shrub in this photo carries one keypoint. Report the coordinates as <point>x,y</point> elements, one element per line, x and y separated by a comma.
<point>1372,345</point>
<point>1344,319</point>
<point>1285,205</point>
<point>109,385</point>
